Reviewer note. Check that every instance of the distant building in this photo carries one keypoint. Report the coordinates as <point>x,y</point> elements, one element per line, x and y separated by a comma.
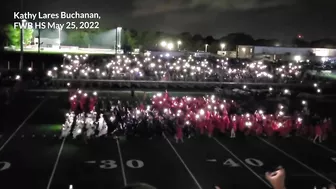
<point>48,42</point>
<point>227,54</point>
<point>286,53</point>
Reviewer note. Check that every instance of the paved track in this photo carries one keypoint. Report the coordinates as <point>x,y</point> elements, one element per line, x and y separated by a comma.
<point>35,158</point>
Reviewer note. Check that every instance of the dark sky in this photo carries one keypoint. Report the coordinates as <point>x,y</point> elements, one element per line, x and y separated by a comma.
<point>280,19</point>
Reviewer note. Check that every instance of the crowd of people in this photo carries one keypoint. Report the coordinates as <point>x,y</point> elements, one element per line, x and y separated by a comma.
<point>186,117</point>
<point>184,68</point>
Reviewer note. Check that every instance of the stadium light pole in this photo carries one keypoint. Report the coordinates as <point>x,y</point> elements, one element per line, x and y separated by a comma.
<point>59,37</point>
<point>21,44</point>
<point>178,44</point>
<point>206,47</point>
<point>118,38</point>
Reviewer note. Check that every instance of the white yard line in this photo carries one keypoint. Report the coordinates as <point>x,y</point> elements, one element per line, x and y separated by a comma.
<point>321,145</point>
<point>184,164</point>
<point>121,163</point>
<point>298,161</point>
<point>56,163</point>
<point>21,125</point>
<point>242,162</point>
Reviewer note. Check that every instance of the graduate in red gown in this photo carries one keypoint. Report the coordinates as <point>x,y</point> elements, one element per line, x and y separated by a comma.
<point>82,102</point>
<point>233,126</point>
<point>318,133</point>
<point>92,103</point>
<point>211,126</point>
<point>73,104</point>
<point>179,130</point>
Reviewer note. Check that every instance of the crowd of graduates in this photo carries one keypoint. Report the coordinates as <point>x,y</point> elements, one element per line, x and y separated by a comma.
<point>191,116</point>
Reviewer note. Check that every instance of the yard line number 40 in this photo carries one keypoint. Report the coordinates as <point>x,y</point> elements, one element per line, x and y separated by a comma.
<point>4,165</point>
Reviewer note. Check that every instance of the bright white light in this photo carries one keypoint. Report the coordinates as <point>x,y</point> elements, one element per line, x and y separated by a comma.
<point>55,68</point>
<point>304,102</point>
<point>18,77</point>
<point>170,46</point>
<point>297,58</point>
<point>248,124</point>
<point>30,69</point>
<point>270,89</point>
<point>163,44</point>
<point>68,84</point>
<point>319,91</point>
<point>95,93</point>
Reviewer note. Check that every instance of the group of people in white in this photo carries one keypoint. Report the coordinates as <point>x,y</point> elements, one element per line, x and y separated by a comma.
<point>85,124</point>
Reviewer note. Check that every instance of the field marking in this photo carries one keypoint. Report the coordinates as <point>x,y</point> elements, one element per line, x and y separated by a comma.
<point>253,172</point>
<point>22,124</point>
<point>121,163</point>
<point>56,163</point>
<point>320,145</point>
<point>298,161</point>
<point>182,161</point>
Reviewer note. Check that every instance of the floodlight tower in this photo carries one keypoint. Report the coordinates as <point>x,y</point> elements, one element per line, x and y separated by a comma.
<point>118,39</point>
<point>21,43</point>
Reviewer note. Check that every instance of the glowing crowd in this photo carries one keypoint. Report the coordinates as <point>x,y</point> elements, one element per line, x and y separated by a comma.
<point>185,117</point>
<point>168,68</point>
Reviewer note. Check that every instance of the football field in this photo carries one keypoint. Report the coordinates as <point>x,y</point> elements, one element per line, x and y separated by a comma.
<point>32,156</point>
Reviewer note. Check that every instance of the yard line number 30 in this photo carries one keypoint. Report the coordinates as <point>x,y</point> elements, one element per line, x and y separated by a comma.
<point>111,164</point>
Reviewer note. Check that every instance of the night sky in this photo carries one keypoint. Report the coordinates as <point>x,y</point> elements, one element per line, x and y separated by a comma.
<point>281,19</point>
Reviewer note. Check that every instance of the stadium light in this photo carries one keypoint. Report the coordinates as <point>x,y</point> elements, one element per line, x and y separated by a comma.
<point>206,47</point>
<point>222,46</point>
<point>163,43</point>
<point>170,46</point>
